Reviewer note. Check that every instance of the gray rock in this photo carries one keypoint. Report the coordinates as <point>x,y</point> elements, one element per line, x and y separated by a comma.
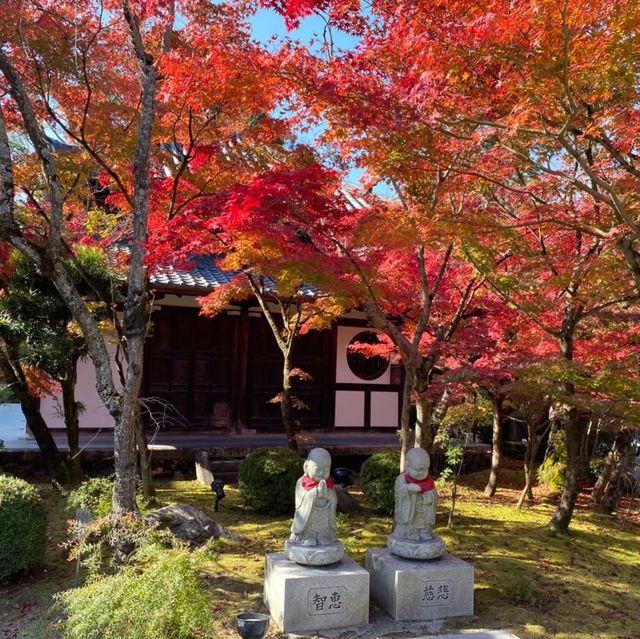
<point>189,524</point>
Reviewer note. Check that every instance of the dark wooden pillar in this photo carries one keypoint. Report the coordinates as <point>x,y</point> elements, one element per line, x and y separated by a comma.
<point>240,367</point>
<point>332,346</point>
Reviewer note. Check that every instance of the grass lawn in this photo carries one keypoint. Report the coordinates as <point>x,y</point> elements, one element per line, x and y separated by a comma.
<point>583,586</point>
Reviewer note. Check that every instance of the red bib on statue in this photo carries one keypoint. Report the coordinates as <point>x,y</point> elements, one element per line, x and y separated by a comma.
<point>425,484</point>
<point>308,483</point>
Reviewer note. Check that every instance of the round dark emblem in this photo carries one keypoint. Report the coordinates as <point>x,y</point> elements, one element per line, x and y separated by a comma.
<point>366,367</point>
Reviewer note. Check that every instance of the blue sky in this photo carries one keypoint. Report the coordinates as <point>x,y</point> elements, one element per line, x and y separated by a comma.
<point>266,24</point>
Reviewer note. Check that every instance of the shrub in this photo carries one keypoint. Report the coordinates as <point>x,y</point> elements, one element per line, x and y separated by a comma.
<point>523,590</point>
<point>22,526</point>
<point>470,416</point>
<point>377,477</point>
<point>94,494</point>
<point>161,594</point>
<point>551,473</point>
<point>107,543</point>
<point>267,480</point>
<point>7,396</point>
<point>596,465</point>
<point>552,470</point>
<point>514,450</point>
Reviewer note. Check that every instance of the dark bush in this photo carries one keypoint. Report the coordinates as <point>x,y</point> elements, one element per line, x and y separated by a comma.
<point>7,396</point>
<point>377,478</point>
<point>515,450</point>
<point>22,527</point>
<point>267,480</point>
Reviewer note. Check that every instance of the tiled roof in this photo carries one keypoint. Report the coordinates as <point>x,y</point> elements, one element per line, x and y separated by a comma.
<point>205,275</point>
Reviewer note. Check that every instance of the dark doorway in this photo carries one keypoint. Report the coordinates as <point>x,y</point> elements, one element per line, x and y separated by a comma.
<point>188,368</point>
<point>195,379</point>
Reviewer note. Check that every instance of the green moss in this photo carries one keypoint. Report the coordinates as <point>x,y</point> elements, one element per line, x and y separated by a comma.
<point>583,586</point>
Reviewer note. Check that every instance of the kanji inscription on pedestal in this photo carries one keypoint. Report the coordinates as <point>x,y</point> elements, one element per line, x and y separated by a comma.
<point>327,601</point>
<point>436,593</point>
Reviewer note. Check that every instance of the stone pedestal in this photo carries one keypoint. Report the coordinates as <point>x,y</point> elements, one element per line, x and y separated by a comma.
<point>420,590</point>
<point>314,555</point>
<point>405,549</point>
<point>315,598</point>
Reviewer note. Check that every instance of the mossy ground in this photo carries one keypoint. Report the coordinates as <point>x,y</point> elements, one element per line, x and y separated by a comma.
<point>583,586</point>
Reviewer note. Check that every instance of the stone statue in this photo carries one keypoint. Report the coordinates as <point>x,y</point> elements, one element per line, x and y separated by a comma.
<point>313,532</point>
<point>415,511</point>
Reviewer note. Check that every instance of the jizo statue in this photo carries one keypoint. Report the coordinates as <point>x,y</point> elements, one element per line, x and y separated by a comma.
<point>313,532</point>
<point>416,500</point>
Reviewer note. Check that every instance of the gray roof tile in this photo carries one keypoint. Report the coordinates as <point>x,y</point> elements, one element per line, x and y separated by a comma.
<point>205,275</point>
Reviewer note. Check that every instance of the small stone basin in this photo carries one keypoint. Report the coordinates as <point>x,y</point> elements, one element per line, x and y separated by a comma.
<point>252,625</point>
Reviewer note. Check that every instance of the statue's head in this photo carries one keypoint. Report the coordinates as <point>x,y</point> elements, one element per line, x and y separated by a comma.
<point>318,464</point>
<point>417,463</point>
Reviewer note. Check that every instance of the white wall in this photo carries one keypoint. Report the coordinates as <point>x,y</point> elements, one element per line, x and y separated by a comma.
<point>95,414</point>
<point>343,372</point>
<point>349,409</point>
<point>350,404</point>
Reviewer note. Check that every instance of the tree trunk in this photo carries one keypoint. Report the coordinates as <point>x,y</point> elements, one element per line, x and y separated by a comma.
<point>14,377</point>
<point>587,438</point>
<point>496,450</point>
<point>148,490</point>
<point>529,462</point>
<point>423,433</point>
<point>72,421</point>
<point>439,413</point>
<point>405,415</point>
<point>454,490</point>
<point>285,400</point>
<point>428,419</point>
<point>610,485</point>
<point>584,447</point>
<point>568,416</point>
<point>573,438</point>
<point>136,306</point>
<point>124,437</point>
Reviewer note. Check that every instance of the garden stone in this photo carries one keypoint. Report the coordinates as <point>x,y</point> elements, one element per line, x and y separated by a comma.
<point>189,524</point>
<point>346,502</point>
